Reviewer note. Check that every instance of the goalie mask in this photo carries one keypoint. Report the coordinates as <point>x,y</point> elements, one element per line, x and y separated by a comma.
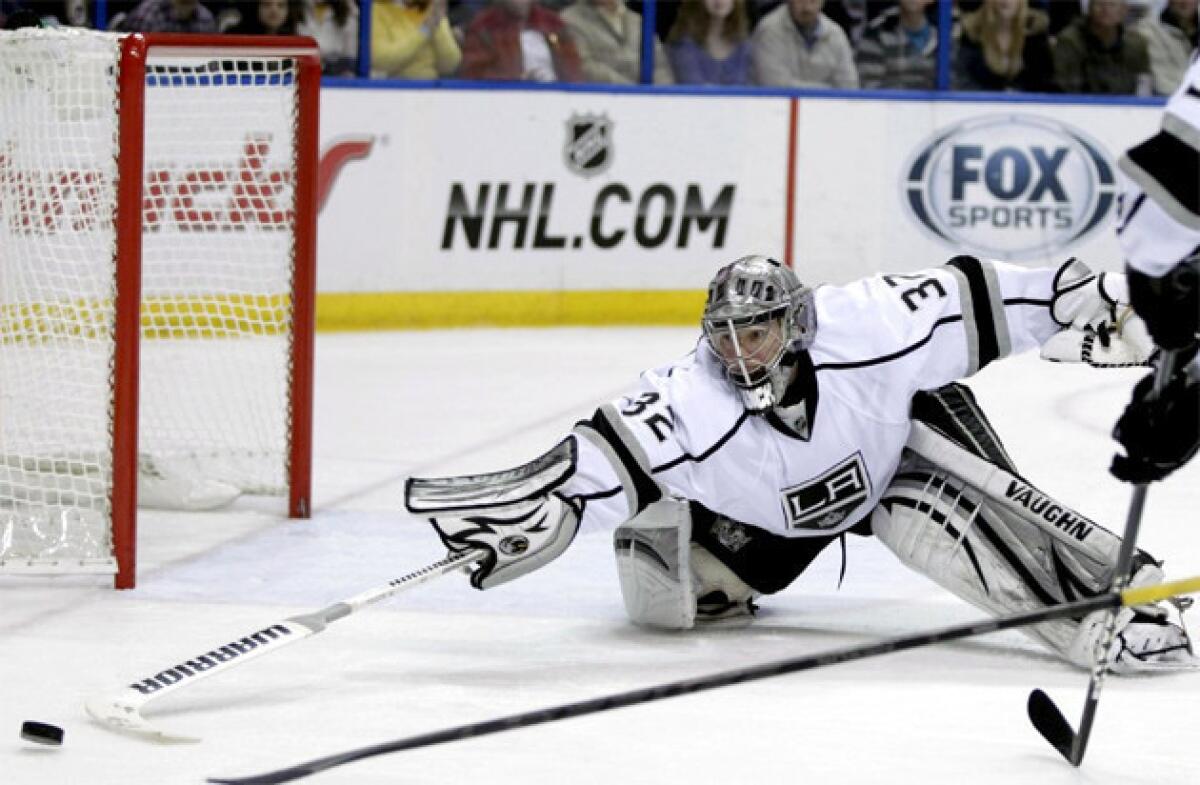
<point>757,319</point>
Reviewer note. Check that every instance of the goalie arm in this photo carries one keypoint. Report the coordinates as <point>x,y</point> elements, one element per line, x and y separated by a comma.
<point>1072,313</point>
<point>614,465</point>
<point>944,324</point>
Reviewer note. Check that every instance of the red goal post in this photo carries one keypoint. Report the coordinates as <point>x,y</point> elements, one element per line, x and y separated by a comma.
<point>168,351</point>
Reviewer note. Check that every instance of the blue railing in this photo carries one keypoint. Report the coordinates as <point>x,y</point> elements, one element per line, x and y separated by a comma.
<point>745,92</point>
<point>945,24</point>
<point>945,21</point>
<point>363,68</point>
<point>649,25</point>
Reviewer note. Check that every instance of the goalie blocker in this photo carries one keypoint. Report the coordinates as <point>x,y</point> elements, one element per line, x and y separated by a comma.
<point>517,520</point>
<point>513,516</point>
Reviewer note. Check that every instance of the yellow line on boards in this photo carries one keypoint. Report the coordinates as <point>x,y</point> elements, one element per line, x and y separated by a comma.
<point>427,310</point>
<point>223,315</point>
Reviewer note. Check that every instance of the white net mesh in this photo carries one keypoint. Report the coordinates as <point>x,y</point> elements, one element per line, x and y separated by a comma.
<point>216,281</point>
<point>217,271</point>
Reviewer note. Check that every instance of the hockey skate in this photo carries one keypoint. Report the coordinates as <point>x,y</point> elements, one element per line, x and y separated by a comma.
<point>1147,639</point>
<point>722,598</point>
<point>1151,642</point>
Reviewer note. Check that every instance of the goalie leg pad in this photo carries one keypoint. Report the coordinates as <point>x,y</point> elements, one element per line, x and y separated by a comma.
<point>953,534</point>
<point>654,566</point>
<point>999,545</point>
<point>515,540</point>
<point>668,581</point>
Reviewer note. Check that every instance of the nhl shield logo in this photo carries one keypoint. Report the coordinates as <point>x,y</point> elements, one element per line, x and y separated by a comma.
<point>588,150</point>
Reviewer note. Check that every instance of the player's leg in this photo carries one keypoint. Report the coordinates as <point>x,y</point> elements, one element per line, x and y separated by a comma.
<point>668,581</point>
<point>974,526</point>
<point>682,565</point>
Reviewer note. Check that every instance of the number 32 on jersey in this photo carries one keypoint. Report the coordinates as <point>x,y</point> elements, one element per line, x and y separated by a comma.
<point>652,412</point>
<point>915,289</point>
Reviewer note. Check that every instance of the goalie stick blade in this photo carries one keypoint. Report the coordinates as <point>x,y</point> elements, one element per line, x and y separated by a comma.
<point>125,717</point>
<point>120,710</point>
<point>1051,723</point>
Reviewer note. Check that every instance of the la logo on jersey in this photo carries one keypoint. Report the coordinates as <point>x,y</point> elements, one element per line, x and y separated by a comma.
<point>825,501</point>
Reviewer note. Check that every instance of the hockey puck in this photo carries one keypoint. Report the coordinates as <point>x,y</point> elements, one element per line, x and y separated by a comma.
<point>41,733</point>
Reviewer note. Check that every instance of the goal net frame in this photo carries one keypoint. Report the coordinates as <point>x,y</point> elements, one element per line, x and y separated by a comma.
<point>135,53</point>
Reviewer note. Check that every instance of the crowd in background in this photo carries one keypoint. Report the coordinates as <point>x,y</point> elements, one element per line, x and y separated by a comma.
<point>1114,47</point>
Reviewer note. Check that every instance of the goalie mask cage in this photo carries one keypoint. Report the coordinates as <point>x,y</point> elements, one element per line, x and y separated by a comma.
<point>157,248</point>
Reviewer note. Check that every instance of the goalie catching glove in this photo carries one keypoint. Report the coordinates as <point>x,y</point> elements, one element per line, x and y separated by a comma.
<point>1100,327</point>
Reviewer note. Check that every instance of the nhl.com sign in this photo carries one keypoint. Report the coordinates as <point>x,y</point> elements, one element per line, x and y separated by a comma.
<point>1010,186</point>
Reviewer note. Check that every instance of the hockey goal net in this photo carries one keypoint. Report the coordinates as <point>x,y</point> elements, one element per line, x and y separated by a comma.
<point>157,220</point>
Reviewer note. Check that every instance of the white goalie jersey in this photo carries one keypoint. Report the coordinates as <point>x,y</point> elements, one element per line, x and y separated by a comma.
<point>684,431</point>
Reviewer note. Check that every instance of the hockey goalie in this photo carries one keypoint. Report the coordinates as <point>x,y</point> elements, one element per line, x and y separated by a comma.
<point>808,413</point>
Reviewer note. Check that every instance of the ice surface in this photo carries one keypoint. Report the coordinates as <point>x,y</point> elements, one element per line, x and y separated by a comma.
<point>394,404</point>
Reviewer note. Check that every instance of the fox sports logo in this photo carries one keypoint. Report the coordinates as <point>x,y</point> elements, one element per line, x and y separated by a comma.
<point>1010,186</point>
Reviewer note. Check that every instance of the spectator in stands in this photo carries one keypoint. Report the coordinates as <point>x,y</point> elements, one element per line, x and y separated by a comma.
<point>411,39</point>
<point>461,12</point>
<point>169,16</point>
<point>75,13</point>
<point>43,13</point>
<point>1097,53</point>
<point>265,17</point>
<point>609,37</point>
<point>1061,13</point>
<point>334,26</point>
<point>798,46</point>
<point>520,40</point>
<point>898,50</point>
<point>709,43</point>
<point>14,16</point>
<point>1004,45</point>
<point>1171,40</point>
<point>852,15</point>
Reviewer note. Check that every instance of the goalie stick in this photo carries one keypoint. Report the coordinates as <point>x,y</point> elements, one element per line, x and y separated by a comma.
<point>1043,713</point>
<point>121,710</point>
<point>1129,597</point>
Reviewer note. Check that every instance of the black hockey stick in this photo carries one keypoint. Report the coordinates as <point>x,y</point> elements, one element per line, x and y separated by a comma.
<point>1043,713</point>
<point>1138,596</point>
